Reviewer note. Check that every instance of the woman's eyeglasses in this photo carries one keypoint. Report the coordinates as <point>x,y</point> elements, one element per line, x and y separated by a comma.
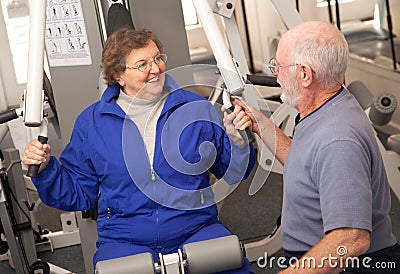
<point>146,66</point>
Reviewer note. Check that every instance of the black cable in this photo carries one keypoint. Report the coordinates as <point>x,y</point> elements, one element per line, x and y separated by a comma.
<point>19,206</point>
<point>297,6</point>
<point>8,191</point>
<point>330,11</point>
<point>390,27</point>
<point>246,26</point>
<point>337,14</point>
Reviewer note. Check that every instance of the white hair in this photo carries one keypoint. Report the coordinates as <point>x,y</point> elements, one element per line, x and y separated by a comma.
<point>326,54</point>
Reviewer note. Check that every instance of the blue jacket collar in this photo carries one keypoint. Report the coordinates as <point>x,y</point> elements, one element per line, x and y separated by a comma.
<point>108,104</point>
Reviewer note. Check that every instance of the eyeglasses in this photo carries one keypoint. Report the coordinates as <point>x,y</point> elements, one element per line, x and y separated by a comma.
<point>146,65</point>
<point>274,66</point>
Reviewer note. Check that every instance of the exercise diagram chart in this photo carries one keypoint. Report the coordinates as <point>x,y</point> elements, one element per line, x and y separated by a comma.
<point>65,38</point>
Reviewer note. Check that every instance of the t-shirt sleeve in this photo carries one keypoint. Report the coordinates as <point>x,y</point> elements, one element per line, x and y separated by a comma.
<point>343,174</point>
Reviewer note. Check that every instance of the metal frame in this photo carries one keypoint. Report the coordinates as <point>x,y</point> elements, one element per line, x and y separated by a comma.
<point>21,244</point>
<point>25,244</point>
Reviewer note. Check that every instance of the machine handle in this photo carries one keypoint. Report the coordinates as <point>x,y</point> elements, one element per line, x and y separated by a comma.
<point>33,169</point>
<point>8,116</point>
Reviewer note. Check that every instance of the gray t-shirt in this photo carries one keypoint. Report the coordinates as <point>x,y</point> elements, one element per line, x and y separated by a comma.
<point>334,177</point>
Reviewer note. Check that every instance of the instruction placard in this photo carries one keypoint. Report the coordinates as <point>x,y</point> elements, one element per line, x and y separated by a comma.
<point>65,38</point>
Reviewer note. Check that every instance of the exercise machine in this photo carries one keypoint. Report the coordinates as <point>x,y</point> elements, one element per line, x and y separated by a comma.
<point>37,109</point>
<point>209,256</point>
<point>23,241</point>
<point>16,207</point>
<point>379,109</point>
<point>15,217</point>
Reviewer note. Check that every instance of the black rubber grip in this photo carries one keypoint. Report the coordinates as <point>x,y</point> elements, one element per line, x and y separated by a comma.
<point>8,116</point>
<point>33,169</point>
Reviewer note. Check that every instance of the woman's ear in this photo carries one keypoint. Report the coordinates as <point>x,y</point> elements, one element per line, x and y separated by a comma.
<point>119,79</point>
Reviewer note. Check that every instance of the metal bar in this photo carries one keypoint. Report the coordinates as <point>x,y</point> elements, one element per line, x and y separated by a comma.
<point>288,13</point>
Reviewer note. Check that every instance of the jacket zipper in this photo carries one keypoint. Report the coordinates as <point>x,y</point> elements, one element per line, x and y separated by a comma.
<point>153,179</point>
<point>153,174</point>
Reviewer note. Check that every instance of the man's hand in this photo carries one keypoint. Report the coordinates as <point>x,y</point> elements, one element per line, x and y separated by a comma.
<point>234,121</point>
<point>254,116</point>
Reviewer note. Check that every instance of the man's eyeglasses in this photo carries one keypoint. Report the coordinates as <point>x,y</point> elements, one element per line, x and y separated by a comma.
<point>274,66</point>
<point>146,66</point>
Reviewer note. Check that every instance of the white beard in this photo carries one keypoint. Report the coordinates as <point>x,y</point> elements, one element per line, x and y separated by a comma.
<point>290,100</point>
<point>290,91</point>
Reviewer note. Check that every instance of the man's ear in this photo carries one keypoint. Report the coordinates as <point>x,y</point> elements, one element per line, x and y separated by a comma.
<point>307,75</point>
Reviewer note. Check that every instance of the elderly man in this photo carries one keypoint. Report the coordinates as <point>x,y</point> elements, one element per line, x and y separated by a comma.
<point>336,193</point>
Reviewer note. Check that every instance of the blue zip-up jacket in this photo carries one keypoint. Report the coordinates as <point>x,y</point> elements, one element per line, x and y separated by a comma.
<point>155,206</point>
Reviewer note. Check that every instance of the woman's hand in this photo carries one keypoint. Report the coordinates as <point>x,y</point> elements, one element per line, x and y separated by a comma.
<point>37,153</point>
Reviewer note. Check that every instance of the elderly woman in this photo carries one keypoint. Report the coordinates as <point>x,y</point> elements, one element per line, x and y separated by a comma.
<point>144,152</point>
